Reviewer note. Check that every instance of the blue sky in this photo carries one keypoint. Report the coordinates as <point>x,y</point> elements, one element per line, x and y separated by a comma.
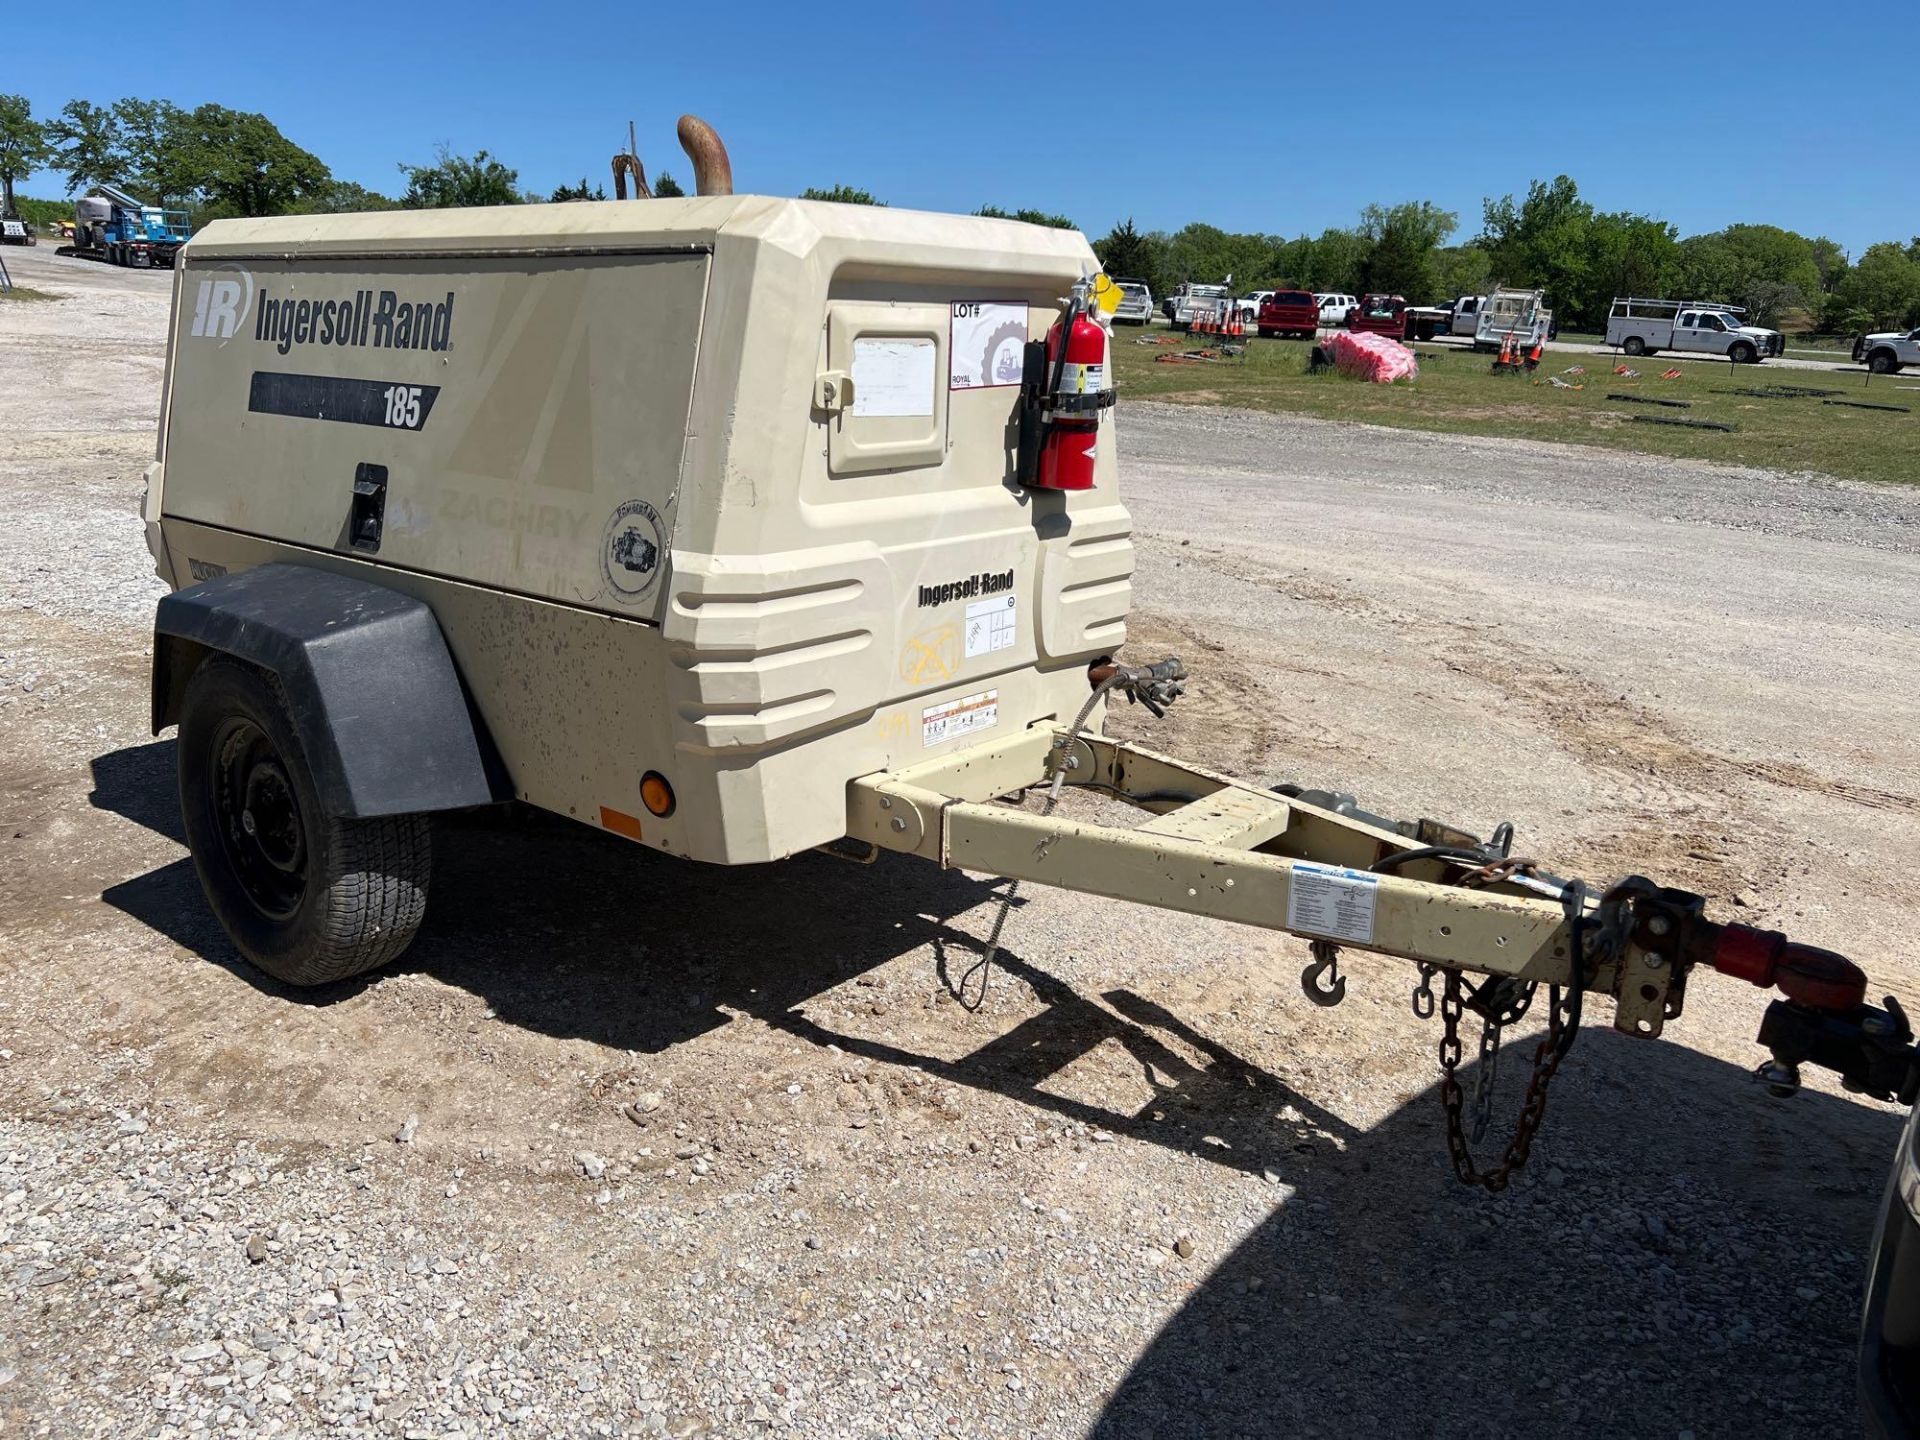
<point>1271,117</point>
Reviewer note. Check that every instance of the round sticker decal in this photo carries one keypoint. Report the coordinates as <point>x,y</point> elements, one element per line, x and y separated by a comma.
<point>635,552</point>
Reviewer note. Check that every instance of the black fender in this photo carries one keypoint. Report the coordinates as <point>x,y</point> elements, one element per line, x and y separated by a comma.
<point>369,682</point>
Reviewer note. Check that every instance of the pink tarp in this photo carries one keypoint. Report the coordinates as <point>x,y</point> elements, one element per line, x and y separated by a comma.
<point>1371,357</point>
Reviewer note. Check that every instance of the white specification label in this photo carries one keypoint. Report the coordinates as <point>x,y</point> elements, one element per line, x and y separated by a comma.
<point>940,723</point>
<point>893,377</point>
<point>991,625</point>
<point>1326,900</point>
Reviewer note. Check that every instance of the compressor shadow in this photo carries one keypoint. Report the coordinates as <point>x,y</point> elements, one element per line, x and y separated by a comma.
<point>570,933</point>
<point>1679,1246</point>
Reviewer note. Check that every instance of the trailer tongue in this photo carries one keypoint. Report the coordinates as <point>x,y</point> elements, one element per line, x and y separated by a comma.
<point>1314,865</point>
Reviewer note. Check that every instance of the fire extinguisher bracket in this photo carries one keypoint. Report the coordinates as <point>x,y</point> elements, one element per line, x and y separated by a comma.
<point>1082,404</point>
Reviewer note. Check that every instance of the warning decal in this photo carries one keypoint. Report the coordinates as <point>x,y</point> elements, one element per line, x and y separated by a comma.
<point>1327,900</point>
<point>940,723</point>
<point>991,625</point>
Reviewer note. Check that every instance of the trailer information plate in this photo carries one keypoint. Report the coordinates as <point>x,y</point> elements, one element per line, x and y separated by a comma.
<point>939,723</point>
<point>991,625</point>
<point>1326,900</point>
<point>893,377</point>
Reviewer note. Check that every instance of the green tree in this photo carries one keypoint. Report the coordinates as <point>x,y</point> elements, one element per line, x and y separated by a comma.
<point>577,192</point>
<point>1126,253</point>
<point>1883,285</point>
<point>665,187</point>
<point>88,143</point>
<point>1762,267</point>
<point>841,195</point>
<point>1461,270</point>
<point>1543,242</point>
<point>1337,261</point>
<point>346,197</point>
<point>1290,264</point>
<point>245,165</point>
<point>1027,217</point>
<point>24,147</point>
<point>154,152</point>
<point>1209,255</point>
<point>1402,240</point>
<point>457,180</point>
<point>1831,261</point>
<point>1627,254</point>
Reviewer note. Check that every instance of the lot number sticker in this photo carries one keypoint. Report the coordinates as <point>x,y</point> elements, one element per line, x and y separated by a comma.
<point>991,625</point>
<point>940,723</point>
<point>988,344</point>
<point>1326,900</point>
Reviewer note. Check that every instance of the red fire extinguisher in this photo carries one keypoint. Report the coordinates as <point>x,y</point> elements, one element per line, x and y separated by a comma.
<point>1075,386</point>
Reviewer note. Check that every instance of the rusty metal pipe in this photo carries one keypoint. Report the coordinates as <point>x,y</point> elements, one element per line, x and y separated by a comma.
<point>624,165</point>
<point>712,170</point>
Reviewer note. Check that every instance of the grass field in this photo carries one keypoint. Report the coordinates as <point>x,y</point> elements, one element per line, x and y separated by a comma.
<point>1457,393</point>
<point>22,293</point>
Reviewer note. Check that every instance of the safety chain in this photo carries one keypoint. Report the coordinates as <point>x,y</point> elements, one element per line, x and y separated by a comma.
<point>1563,1026</point>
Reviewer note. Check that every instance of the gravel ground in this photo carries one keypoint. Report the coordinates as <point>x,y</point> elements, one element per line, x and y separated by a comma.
<point>566,1171</point>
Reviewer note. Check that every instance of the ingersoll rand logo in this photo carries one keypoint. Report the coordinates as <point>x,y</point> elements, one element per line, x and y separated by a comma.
<point>225,304</point>
<point>220,303</point>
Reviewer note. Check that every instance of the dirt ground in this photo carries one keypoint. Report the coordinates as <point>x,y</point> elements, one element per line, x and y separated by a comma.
<point>701,1152</point>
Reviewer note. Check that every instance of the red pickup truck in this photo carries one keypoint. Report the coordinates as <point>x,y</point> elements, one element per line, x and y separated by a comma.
<point>1289,312</point>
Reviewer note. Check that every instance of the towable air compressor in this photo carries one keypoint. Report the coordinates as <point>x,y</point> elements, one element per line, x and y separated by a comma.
<point>717,525</point>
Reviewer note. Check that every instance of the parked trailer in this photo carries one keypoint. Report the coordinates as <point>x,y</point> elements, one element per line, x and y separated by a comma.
<point>1392,316</point>
<point>1379,315</point>
<point>1645,327</point>
<point>1512,316</point>
<point>708,533</point>
<point>112,225</point>
<point>1203,305</point>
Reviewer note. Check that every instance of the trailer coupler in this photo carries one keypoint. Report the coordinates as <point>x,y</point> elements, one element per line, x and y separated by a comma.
<point>1313,864</point>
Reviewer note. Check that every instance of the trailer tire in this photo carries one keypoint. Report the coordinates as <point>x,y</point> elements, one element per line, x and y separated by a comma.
<point>1741,353</point>
<point>309,898</point>
<point>1634,345</point>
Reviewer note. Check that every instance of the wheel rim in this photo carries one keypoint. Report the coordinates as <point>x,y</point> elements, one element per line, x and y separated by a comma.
<point>258,814</point>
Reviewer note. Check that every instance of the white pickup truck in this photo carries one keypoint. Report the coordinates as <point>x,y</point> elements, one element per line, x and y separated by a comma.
<point>1885,353</point>
<point>1249,304</point>
<point>1643,327</point>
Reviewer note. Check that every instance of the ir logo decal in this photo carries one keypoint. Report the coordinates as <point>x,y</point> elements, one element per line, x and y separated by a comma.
<point>635,552</point>
<point>222,303</point>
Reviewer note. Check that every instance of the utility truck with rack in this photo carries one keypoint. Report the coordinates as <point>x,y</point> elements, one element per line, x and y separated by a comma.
<point>1511,318</point>
<point>1694,327</point>
<point>1203,305</point>
<point>737,527</point>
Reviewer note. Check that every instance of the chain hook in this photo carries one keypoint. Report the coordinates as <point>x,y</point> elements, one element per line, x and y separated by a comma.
<point>1326,962</point>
